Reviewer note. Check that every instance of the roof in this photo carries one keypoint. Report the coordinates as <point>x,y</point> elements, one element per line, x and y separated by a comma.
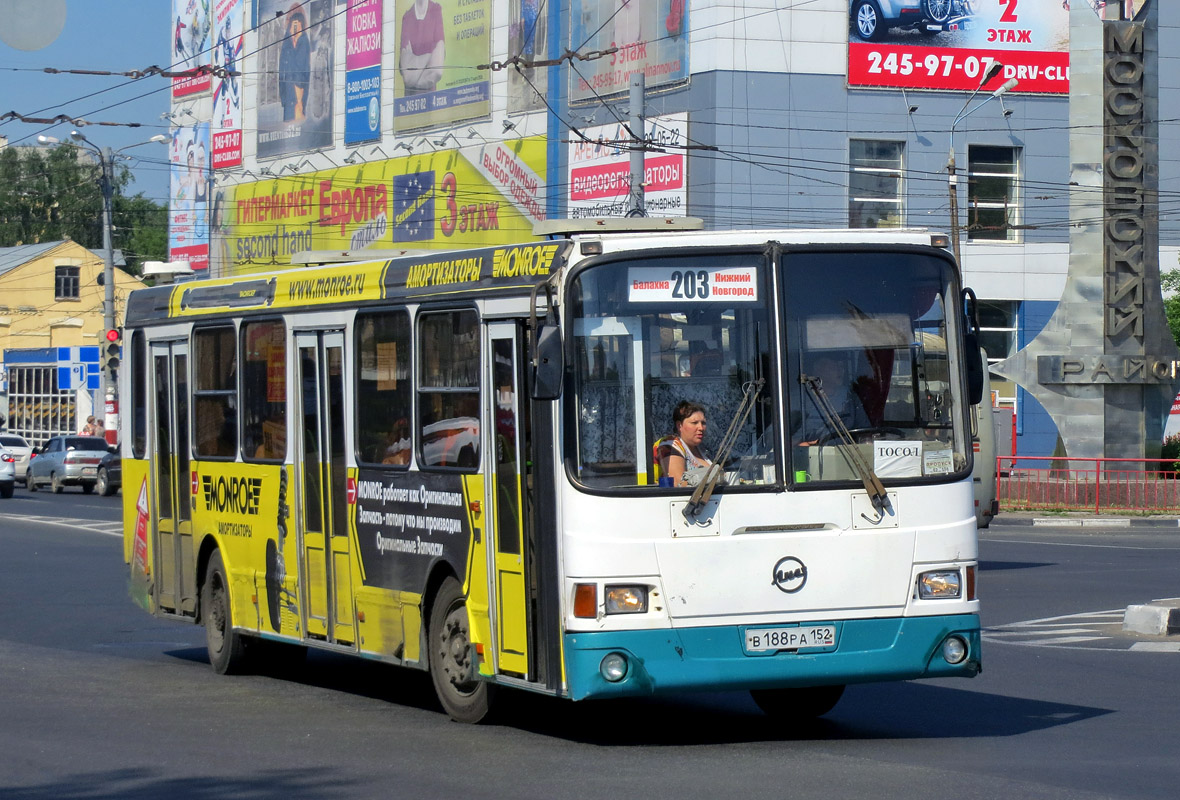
<point>13,257</point>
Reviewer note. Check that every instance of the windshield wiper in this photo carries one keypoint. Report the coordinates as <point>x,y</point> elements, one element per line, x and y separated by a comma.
<point>715,470</point>
<point>848,448</point>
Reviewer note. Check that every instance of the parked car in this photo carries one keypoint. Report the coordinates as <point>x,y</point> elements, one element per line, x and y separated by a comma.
<point>67,461</point>
<point>872,18</point>
<point>21,449</point>
<point>7,473</point>
<point>110,474</point>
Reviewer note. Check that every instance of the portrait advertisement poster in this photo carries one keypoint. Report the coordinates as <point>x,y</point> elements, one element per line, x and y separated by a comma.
<point>295,67</point>
<point>600,170</point>
<point>528,38</point>
<point>480,195</point>
<point>362,64</point>
<point>191,25</point>
<point>188,206</point>
<point>1031,40</point>
<point>651,37</point>
<point>440,45</point>
<point>227,88</point>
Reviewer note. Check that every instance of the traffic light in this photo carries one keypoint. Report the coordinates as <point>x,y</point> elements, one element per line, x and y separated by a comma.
<point>113,347</point>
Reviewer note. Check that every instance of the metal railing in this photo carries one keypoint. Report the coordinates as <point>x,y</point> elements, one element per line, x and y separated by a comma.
<point>1038,483</point>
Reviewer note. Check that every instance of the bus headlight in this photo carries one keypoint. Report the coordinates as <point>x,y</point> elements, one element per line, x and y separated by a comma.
<point>626,599</point>
<point>954,650</point>
<point>940,585</point>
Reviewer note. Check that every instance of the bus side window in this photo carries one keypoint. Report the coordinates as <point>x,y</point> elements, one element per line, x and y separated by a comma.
<point>215,416</point>
<point>383,392</point>
<point>264,391</point>
<point>448,389</point>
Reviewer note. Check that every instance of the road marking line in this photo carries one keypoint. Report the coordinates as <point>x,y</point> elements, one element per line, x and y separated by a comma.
<point>1157,647</point>
<point>105,528</point>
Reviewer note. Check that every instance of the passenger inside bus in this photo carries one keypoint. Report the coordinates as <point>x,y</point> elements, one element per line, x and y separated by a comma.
<point>398,449</point>
<point>678,455</point>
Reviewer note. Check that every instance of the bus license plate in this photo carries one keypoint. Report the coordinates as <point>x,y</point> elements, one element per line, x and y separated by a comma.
<point>763,640</point>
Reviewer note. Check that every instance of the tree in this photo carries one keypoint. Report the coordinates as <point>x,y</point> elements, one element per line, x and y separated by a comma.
<point>1170,283</point>
<point>47,194</point>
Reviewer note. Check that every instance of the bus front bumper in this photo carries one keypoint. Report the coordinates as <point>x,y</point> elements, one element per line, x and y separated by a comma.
<point>715,658</point>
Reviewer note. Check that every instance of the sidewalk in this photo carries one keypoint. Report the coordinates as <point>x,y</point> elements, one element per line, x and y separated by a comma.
<point>1083,519</point>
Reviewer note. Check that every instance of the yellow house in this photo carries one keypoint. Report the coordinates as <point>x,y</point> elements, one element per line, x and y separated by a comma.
<point>51,295</point>
<point>51,336</point>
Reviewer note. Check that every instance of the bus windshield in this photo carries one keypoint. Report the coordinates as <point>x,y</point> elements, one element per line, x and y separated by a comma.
<point>862,379</point>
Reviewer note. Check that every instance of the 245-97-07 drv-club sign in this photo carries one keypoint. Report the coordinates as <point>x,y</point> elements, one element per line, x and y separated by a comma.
<point>949,44</point>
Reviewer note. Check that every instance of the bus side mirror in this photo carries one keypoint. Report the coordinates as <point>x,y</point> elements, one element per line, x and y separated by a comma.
<point>974,358</point>
<point>548,364</point>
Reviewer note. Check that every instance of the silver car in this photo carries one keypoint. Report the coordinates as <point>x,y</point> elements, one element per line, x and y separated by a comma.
<point>67,461</point>
<point>872,18</point>
<point>7,473</point>
<point>20,449</point>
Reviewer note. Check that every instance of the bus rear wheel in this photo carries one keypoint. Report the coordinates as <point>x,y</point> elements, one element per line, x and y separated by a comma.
<point>801,704</point>
<point>227,650</point>
<point>463,695</point>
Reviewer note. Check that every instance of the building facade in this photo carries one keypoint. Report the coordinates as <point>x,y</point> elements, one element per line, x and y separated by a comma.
<point>329,129</point>
<point>52,335</point>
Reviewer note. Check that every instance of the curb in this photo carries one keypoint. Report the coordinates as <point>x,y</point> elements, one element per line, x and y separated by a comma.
<point>1088,522</point>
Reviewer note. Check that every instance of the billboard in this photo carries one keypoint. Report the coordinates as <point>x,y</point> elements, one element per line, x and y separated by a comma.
<point>528,38</point>
<point>440,44</point>
<point>190,45</point>
<point>227,89</point>
<point>295,76</point>
<point>470,197</point>
<point>600,170</point>
<point>651,37</point>
<point>954,51</point>
<point>362,79</point>
<point>188,207</point>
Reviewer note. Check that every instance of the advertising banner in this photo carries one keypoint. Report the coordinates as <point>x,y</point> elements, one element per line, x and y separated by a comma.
<point>362,81</point>
<point>528,38</point>
<point>954,52</point>
<point>190,45</point>
<point>227,89</point>
<point>295,67</point>
<point>600,170</point>
<point>476,196</point>
<point>188,209</point>
<point>651,37</point>
<point>440,44</point>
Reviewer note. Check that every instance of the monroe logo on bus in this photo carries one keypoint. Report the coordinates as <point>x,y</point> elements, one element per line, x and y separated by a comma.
<point>790,574</point>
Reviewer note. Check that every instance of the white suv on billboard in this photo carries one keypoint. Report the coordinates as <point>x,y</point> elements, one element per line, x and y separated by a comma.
<point>872,18</point>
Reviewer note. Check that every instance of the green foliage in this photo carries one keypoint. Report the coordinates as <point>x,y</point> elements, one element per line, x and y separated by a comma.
<point>52,193</point>
<point>1171,450</point>
<point>1170,283</point>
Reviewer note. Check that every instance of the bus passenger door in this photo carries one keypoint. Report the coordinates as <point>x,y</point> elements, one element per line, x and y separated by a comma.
<point>175,569</point>
<point>325,572</point>
<point>506,489</point>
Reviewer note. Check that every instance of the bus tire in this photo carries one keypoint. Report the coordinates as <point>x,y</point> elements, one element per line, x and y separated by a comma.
<point>227,650</point>
<point>803,703</point>
<point>463,695</point>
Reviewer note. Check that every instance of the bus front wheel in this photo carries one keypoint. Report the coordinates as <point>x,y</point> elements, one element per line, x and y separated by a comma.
<point>463,695</point>
<point>801,704</point>
<point>227,651</point>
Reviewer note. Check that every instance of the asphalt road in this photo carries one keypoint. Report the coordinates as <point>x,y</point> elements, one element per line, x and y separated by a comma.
<point>101,701</point>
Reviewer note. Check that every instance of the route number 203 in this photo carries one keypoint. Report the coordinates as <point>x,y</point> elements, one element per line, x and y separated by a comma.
<point>690,284</point>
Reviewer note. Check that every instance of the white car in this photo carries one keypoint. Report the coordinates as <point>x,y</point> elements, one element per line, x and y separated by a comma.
<point>21,450</point>
<point>7,473</point>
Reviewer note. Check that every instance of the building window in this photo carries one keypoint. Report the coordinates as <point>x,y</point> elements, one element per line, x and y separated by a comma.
<point>875,193</point>
<point>993,193</point>
<point>65,283</point>
<point>997,336</point>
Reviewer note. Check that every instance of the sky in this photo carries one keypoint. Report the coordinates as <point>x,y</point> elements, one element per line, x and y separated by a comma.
<point>109,35</point>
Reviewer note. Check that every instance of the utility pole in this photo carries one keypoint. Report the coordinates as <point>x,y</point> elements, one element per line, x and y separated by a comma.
<point>635,206</point>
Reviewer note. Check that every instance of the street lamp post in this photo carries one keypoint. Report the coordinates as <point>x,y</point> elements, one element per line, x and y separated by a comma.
<point>952,177</point>
<point>106,162</point>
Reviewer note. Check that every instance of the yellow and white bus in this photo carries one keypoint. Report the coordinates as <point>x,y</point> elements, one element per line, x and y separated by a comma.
<point>445,461</point>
